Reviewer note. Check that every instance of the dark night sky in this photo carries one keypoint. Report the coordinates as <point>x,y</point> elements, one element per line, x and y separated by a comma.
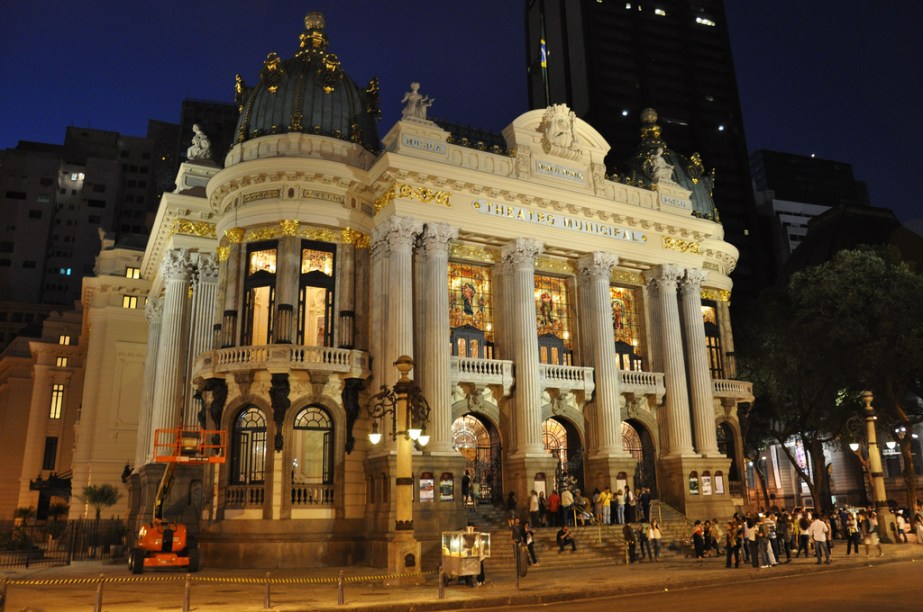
<point>840,79</point>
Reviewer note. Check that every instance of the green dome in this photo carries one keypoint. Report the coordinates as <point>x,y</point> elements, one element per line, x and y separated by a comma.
<point>688,172</point>
<point>309,93</point>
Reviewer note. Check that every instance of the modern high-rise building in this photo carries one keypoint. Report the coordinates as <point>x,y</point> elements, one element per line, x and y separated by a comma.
<point>610,60</point>
<point>791,190</point>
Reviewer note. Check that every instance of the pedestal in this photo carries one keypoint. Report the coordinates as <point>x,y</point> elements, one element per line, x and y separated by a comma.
<point>603,471</point>
<point>403,558</point>
<point>520,475</point>
<point>676,489</point>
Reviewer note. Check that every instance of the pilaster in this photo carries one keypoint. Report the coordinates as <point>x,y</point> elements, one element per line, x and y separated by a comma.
<point>153,311</point>
<point>204,284</point>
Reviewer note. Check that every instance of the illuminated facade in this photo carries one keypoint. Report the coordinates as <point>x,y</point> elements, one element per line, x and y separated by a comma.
<point>563,323</point>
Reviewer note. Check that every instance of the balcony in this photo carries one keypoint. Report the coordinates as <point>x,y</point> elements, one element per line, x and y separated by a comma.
<point>282,357</point>
<point>244,496</point>
<point>732,390</point>
<point>483,373</point>
<point>567,379</point>
<point>634,384</point>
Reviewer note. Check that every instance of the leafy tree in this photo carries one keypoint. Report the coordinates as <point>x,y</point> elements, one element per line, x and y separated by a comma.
<point>870,302</point>
<point>100,496</point>
<point>848,324</point>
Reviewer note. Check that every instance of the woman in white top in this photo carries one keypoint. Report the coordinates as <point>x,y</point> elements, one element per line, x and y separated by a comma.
<point>654,535</point>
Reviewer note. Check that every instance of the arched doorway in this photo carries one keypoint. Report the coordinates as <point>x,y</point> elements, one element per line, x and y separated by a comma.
<point>728,448</point>
<point>479,443</point>
<point>562,440</point>
<point>637,441</point>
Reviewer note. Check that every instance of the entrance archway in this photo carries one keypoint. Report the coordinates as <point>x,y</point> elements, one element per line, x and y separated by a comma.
<point>562,440</point>
<point>636,439</point>
<point>478,441</point>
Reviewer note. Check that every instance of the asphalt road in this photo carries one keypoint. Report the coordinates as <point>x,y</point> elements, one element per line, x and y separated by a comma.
<point>897,586</point>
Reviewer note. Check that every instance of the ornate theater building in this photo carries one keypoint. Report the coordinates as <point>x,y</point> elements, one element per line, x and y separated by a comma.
<point>565,325</point>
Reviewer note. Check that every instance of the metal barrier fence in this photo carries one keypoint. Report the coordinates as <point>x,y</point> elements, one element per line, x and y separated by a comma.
<point>60,542</point>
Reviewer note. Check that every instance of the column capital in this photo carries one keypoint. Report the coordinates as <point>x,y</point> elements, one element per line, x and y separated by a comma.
<point>597,264</point>
<point>207,268</point>
<point>693,280</point>
<point>436,237</point>
<point>521,252</point>
<point>153,309</point>
<point>395,233</point>
<point>176,265</point>
<point>665,276</point>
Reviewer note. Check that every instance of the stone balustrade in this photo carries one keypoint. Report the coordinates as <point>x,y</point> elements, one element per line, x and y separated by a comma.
<point>244,496</point>
<point>352,363</point>
<point>739,390</point>
<point>649,384</point>
<point>567,378</point>
<point>483,372</point>
<point>308,495</point>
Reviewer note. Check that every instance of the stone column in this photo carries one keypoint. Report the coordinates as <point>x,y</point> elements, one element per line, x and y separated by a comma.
<point>204,292</point>
<point>230,317</point>
<point>153,310</point>
<point>400,233</point>
<point>527,411</point>
<point>288,271</point>
<point>595,269</point>
<point>434,381</point>
<point>171,355</point>
<point>703,410</point>
<point>378,315</point>
<point>727,339</point>
<point>676,402</point>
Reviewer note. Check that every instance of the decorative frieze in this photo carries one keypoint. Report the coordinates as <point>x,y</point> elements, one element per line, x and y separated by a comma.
<point>424,195</point>
<point>188,227</point>
<point>683,246</point>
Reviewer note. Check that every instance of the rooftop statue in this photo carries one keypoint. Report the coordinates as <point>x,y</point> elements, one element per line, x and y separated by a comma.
<point>660,168</point>
<point>416,103</point>
<point>201,148</point>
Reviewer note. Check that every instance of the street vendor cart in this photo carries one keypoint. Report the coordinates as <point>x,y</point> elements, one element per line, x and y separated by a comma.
<point>462,554</point>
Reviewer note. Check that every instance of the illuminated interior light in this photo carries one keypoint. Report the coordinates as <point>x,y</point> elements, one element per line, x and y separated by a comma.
<point>660,12</point>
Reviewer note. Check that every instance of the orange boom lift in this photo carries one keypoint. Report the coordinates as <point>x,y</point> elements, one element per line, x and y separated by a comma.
<point>164,543</point>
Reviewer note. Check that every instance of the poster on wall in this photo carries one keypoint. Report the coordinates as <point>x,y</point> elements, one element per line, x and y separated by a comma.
<point>706,485</point>
<point>693,484</point>
<point>719,484</point>
<point>427,487</point>
<point>446,487</point>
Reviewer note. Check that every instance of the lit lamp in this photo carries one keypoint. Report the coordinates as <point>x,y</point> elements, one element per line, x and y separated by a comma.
<point>409,415</point>
<point>891,444</point>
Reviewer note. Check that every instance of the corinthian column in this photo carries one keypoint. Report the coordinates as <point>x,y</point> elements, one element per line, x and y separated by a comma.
<point>595,269</point>
<point>703,411</point>
<point>153,310</point>
<point>435,383</point>
<point>527,409</point>
<point>399,232</point>
<point>171,355</point>
<point>204,291</point>
<point>676,403</point>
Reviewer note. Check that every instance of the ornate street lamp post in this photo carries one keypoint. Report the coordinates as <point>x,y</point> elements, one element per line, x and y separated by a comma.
<point>409,412</point>
<point>872,465</point>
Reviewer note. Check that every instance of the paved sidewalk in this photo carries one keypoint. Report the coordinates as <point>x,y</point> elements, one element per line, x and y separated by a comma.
<point>245,590</point>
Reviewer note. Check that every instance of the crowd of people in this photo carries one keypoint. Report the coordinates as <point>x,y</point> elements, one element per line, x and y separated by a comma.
<point>762,539</point>
<point>571,507</point>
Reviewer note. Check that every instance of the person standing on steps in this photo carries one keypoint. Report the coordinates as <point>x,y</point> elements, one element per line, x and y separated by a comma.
<point>630,541</point>
<point>511,508</point>
<point>529,541</point>
<point>655,536</point>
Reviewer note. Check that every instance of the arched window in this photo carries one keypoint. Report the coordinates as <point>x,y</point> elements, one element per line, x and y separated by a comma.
<point>713,339</point>
<point>248,459</point>
<point>259,294</point>
<point>312,449</point>
<point>315,294</point>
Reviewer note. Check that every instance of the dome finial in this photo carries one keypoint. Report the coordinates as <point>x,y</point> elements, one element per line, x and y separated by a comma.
<point>314,21</point>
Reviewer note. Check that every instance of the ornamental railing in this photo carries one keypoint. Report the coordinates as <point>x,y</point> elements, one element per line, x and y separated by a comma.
<point>482,372</point>
<point>308,495</point>
<point>567,378</point>
<point>244,496</point>
<point>284,356</point>
<point>732,389</point>
<point>650,384</point>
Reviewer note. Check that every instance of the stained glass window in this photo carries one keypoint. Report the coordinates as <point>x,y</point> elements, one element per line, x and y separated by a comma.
<point>470,298</point>
<point>551,308</point>
<point>320,261</point>
<point>262,261</point>
<point>626,324</point>
<point>554,439</point>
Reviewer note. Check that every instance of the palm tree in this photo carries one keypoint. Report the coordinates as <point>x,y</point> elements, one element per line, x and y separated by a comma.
<point>100,496</point>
